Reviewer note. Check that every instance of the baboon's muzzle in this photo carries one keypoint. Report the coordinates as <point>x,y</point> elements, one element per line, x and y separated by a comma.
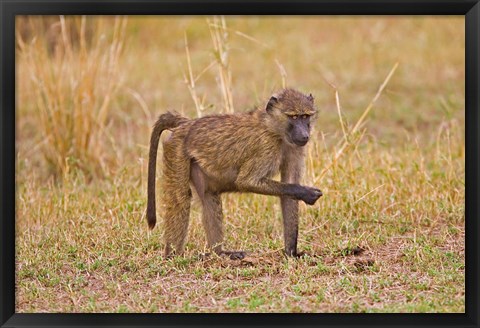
<point>300,134</point>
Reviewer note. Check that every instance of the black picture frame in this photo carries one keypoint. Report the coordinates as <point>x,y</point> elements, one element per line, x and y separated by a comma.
<point>10,8</point>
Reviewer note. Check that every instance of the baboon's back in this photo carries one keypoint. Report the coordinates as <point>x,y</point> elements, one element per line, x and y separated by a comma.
<point>222,144</point>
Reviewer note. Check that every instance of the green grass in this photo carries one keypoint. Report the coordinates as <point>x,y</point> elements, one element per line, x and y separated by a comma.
<point>83,245</point>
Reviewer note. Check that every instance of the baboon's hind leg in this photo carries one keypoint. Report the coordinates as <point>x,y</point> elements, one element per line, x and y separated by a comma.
<point>176,197</point>
<point>212,216</point>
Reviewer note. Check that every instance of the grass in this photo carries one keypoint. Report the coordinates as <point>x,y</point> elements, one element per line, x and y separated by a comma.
<point>387,236</point>
<point>74,75</point>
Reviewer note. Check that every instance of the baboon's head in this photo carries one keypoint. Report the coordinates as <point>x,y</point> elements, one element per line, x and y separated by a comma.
<point>290,113</point>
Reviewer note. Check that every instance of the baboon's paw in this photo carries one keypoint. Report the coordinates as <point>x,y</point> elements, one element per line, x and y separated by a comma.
<point>300,255</point>
<point>311,195</point>
<point>295,254</point>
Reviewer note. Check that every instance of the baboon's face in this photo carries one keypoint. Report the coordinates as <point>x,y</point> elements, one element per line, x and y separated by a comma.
<point>293,112</point>
<point>298,130</point>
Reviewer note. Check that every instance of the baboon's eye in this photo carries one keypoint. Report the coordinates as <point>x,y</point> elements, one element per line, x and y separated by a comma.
<point>305,116</point>
<point>294,117</point>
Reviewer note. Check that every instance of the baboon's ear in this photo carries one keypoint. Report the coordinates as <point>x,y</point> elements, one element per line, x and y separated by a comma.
<point>271,103</point>
<point>310,97</point>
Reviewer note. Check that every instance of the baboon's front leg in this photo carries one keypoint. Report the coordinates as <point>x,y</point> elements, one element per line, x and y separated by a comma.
<point>252,178</point>
<point>270,187</point>
<point>291,172</point>
<point>290,224</point>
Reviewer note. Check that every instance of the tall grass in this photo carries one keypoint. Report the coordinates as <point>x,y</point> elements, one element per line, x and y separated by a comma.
<point>221,51</point>
<point>219,36</point>
<point>352,137</point>
<point>75,82</point>
<point>191,80</point>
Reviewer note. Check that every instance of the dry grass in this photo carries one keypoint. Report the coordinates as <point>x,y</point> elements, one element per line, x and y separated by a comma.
<point>387,236</point>
<point>74,83</point>
<point>221,52</point>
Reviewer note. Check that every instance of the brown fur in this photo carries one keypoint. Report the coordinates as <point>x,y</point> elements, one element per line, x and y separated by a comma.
<point>231,153</point>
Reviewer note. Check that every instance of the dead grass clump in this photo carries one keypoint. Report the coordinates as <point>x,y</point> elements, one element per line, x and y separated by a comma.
<point>74,89</point>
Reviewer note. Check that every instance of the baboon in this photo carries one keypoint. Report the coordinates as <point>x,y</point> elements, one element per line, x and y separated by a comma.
<point>232,153</point>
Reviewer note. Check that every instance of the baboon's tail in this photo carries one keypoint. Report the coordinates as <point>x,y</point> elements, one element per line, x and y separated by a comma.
<point>165,121</point>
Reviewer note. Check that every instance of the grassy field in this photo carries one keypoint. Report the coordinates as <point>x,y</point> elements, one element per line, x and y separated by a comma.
<point>387,236</point>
